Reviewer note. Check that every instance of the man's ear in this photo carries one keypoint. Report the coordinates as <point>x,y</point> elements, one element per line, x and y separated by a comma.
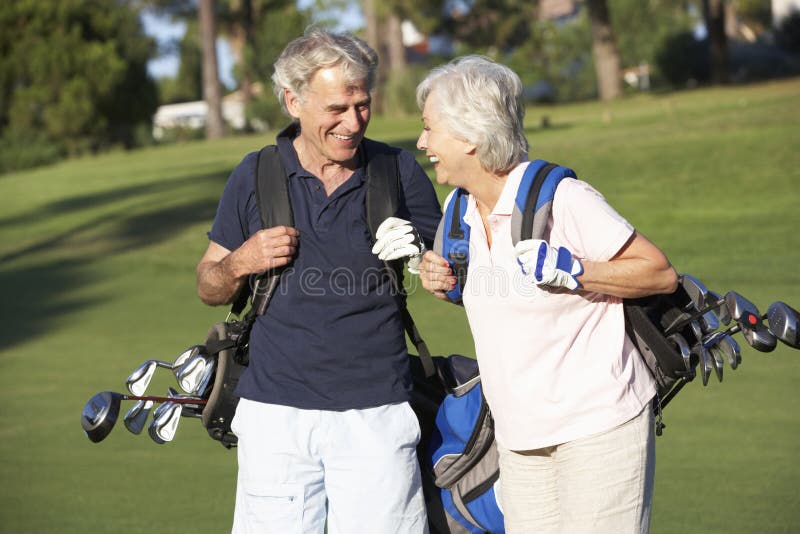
<point>292,103</point>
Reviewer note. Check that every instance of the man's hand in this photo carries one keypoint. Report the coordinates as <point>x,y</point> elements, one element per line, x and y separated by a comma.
<point>264,250</point>
<point>397,238</point>
<point>549,266</point>
<point>436,275</point>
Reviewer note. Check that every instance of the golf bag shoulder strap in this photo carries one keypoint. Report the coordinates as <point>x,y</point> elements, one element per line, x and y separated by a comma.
<point>382,201</point>
<point>532,207</point>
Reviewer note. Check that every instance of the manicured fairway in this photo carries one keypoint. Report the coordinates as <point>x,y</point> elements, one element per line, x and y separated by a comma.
<point>97,260</point>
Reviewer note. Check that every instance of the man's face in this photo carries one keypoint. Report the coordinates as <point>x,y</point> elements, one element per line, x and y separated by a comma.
<point>333,116</point>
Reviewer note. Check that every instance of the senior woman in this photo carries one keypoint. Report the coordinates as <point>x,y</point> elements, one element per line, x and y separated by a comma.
<point>569,393</point>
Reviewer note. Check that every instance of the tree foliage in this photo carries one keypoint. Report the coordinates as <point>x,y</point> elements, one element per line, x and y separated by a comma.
<point>73,77</point>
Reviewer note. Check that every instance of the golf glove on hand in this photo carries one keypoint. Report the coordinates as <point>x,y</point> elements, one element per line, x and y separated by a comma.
<point>549,266</point>
<point>397,238</point>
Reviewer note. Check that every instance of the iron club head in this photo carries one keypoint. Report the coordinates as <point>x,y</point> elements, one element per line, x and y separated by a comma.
<point>136,417</point>
<point>163,427</point>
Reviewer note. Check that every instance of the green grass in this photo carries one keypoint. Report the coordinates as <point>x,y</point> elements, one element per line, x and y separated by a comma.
<point>97,260</point>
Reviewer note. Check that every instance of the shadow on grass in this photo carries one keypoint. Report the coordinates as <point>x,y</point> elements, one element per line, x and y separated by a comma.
<point>38,290</point>
<point>39,297</point>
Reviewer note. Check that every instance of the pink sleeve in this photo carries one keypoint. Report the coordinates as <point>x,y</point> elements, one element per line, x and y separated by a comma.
<point>586,224</point>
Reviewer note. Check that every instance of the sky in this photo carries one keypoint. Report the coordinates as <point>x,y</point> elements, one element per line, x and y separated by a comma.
<point>164,31</point>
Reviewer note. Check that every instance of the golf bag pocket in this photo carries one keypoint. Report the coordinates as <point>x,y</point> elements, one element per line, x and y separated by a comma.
<point>465,461</point>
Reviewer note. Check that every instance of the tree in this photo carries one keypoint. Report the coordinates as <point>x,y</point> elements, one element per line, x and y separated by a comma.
<point>212,88</point>
<point>714,13</point>
<point>187,85</point>
<point>604,49</point>
<point>73,78</point>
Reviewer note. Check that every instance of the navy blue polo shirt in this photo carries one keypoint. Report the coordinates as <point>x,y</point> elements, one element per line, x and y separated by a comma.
<point>332,337</point>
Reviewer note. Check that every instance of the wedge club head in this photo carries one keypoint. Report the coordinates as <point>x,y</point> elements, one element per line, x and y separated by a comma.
<point>136,418</point>
<point>784,322</point>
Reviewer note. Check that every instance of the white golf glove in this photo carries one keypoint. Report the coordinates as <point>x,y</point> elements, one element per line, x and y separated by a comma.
<point>397,238</point>
<point>549,266</point>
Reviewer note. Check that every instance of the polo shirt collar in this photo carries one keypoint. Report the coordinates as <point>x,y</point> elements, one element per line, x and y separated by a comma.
<point>291,163</point>
<point>505,204</point>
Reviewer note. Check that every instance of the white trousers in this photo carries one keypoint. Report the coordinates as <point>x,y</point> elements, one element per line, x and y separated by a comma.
<point>357,468</point>
<point>598,484</point>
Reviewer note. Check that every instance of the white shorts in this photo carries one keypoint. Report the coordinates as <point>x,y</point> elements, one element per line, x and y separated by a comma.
<point>358,468</point>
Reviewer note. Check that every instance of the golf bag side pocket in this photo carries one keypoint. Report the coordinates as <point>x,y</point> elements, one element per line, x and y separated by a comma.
<point>222,401</point>
<point>465,460</point>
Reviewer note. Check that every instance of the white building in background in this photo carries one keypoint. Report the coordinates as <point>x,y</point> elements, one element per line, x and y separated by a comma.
<point>782,9</point>
<point>192,115</point>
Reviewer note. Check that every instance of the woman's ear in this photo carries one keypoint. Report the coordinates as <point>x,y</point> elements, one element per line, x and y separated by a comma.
<point>470,149</point>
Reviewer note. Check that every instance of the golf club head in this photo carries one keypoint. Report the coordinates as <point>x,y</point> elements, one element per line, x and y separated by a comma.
<point>208,377</point>
<point>718,359</point>
<point>741,310</point>
<point>721,311</point>
<point>697,331</point>
<point>140,378</point>
<point>697,291</point>
<point>783,322</point>
<point>760,338</point>
<point>100,414</point>
<point>185,356</point>
<point>706,364</point>
<point>731,349</point>
<point>191,373</point>
<point>163,426</point>
<point>709,322</point>
<point>683,348</point>
<point>136,418</point>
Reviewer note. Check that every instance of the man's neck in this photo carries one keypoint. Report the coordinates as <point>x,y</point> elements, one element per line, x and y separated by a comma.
<point>332,174</point>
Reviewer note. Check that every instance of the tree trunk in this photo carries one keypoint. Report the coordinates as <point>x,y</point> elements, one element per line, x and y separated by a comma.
<point>604,49</point>
<point>373,39</point>
<point>714,12</point>
<point>212,89</point>
<point>397,51</point>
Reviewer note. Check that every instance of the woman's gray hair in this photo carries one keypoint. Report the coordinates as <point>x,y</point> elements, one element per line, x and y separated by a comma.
<point>319,49</point>
<point>482,104</point>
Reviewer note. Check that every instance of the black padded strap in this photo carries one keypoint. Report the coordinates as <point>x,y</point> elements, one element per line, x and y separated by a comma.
<point>530,203</point>
<point>383,201</point>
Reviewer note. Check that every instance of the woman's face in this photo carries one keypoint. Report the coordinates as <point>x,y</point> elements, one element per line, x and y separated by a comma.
<point>448,154</point>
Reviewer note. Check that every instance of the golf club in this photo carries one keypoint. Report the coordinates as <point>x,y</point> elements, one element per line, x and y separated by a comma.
<point>100,413</point>
<point>783,322</point>
<point>140,378</point>
<point>136,417</point>
<point>165,424</point>
<point>686,353</point>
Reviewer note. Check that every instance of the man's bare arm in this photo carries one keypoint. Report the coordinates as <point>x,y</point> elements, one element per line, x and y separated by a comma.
<point>221,273</point>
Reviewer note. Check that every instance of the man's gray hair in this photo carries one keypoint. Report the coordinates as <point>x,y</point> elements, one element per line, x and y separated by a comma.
<point>319,49</point>
<point>481,103</point>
